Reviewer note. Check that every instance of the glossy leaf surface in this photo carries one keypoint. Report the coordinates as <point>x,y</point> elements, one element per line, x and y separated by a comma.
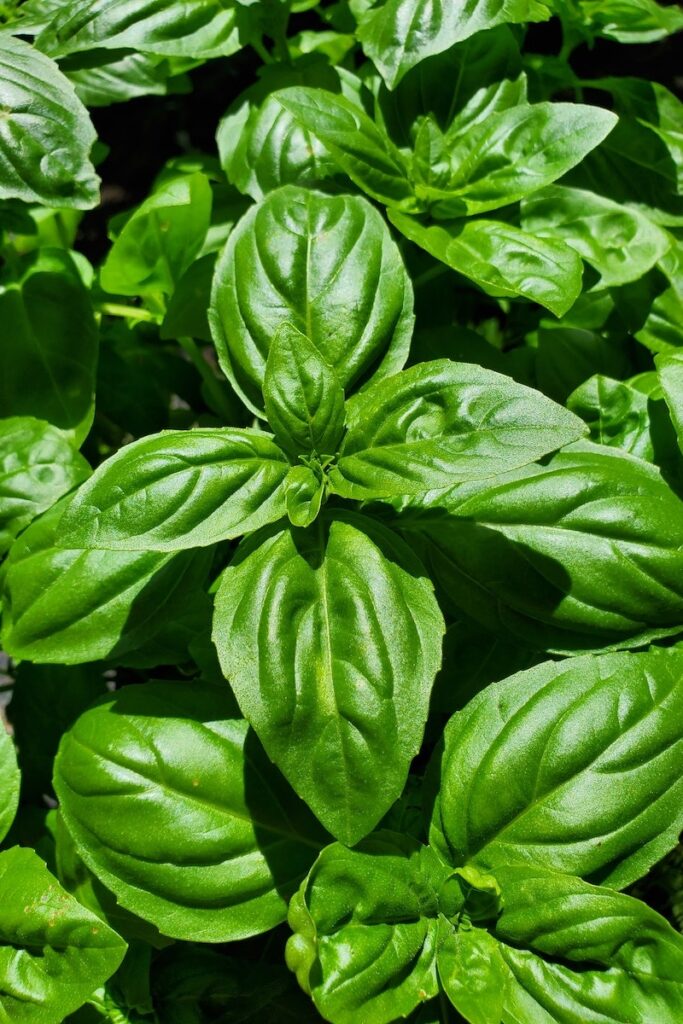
<point>594,746</point>
<point>398,34</point>
<point>581,554</point>
<point>45,132</point>
<point>366,929</point>
<point>37,467</point>
<point>501,259</point>
<point>303,397</point>
<point>54,952</point>
<point>172,804</point>
<point>205,28</point>
<point>314,261</point>
<point>442,422</point>
<point>330,638</point>
<point>75,605</point>
<point>179,489</point>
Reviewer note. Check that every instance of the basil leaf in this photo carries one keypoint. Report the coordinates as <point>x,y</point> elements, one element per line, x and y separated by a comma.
<point>261,146</point>
<point>398,34</point>
<point>594,745</point>
<point>631,21</point>
<point>314,261</point>
<point>50,340</point>
<point>178,489</point>
<point>628,958</point>
<point>670,371</point>
<point>515,152</point>
<point>360,148</point>
<point>160,240</point>
<point>340,700</point>
<point>303,397</point>
<point>379,903</point>
<point>9,795</point>
<point>621,244</point>
<point>55,951</point>
<point>74,605</point>
<point>442,422</point>
<point>203,29</point>
<point>581,554</point>
<point>173,805</point>
<point>45,134</point>
<point>458,88</point>
<point>502,259</point>
<point>103,77</point>
<point>37,467</point>
<point>304,492</point>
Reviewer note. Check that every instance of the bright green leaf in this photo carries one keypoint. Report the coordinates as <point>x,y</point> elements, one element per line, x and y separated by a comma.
<point>331,638</point>
<point>173,805</point>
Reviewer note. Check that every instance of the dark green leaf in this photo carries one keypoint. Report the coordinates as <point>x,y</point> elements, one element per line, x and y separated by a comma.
<point>50,339</point>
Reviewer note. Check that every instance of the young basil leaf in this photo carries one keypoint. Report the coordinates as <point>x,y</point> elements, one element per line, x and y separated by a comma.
<point>366,929</point>
<point>303,397</point>
<point>360,147</point>
<point>314,261</point>
<point>202,29</point>
<point>670,371</point>
<point>77,605</point>
<point>594,746</point>
<point>113,76</point>
<point>622,244</point>
<point>261,146</point>
<point>398,34</point>
<point>56,951</point>
<point>45,134</point>
<point>174,807</point>
<point>617,413</point>
<point>458,88</point>
<point>37,467</point>
<point>441,422</point>
<point>179,489</point>
<point>502,259</point>
<point>582,554</point>
<point>9,794</point>
<point>331,638</point>
<point>160,240</point>
<point>50,339</point>
<point>516,152</point>
<point>662,328</point>
<point>304,492</point>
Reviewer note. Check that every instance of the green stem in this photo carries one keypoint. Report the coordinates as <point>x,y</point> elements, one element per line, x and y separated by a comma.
<point>220,401</point>
<point>128,312</point>
<point>261,50</point>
